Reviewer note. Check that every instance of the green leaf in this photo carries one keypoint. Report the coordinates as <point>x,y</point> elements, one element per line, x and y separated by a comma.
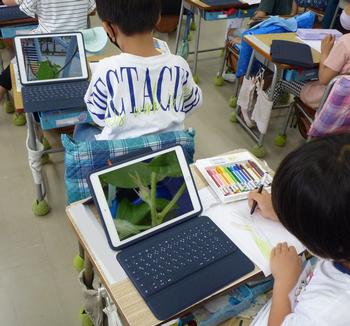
<point>48,70</point>
<point>166,165</point>
<point>126,229</point>
<point>123,178</point>
<point>132,213</point>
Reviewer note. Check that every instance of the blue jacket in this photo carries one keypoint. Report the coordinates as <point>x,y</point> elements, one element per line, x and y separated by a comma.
<point>271,26</point>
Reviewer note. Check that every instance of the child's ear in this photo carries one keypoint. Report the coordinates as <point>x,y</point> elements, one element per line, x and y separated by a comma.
<point>109,30</point>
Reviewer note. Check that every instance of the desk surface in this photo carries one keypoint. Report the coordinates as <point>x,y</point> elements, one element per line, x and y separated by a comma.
<point>262,44</point>
<point>131,306</point>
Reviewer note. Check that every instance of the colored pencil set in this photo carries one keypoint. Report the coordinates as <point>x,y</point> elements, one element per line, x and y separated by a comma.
<point>235,178</point>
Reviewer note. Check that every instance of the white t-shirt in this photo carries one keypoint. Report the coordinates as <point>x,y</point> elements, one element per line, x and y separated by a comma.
<point>325,301</point>
<point>58,15</point>
<point>131,96</point>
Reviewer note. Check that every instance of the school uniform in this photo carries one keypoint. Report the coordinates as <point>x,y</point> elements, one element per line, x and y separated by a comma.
<point>131,96</point>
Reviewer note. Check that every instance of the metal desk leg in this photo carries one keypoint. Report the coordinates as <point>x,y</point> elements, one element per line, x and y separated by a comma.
<point>88,273</point>
<point>282,137</point>
<point>178,31</point>
<point>196,48</point>
<point>78,261</point>
<point>81,250</point>
<point>1,63</point>
<point>40,206</point>
<point>335,16</point>
<point>219,79</point>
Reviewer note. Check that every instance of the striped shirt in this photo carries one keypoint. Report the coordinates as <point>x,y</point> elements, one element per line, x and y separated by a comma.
<point>58,15</point>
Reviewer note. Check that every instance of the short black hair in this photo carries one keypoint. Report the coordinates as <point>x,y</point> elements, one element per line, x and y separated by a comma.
<point>311,196</point>
<point>131,16</point>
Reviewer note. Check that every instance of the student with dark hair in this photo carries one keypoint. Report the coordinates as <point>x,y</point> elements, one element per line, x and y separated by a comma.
<point>311,198</point>
<point>141,91</point>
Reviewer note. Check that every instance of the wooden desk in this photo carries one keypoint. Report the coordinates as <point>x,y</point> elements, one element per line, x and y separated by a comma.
<point>202,5</point>
<point>199,10</point>
<point>132,308</point>
<point>20,21</point>
<point>33,141</point>
<point>261,45</point>
<point>16,94</point>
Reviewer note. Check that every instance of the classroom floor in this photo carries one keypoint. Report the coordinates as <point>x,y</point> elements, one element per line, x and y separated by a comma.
<point>38,284</point>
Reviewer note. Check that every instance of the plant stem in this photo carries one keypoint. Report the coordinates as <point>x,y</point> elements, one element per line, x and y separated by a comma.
<point>170,205</point>
<point>153,198</point>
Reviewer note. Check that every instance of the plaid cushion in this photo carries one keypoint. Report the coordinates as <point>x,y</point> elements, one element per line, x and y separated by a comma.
<point>334,116</point>
<point>83,157</point>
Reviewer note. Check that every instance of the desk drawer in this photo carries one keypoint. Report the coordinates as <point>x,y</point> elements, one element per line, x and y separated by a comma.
<point>239,13</point>
<point>63,118</point>
<point>300,75</point>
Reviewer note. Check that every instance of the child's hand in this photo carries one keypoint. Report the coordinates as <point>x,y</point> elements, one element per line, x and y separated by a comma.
<point>259,14</point>
<point>264,206</point>
<point>327,44</point>
<point>285,267</point>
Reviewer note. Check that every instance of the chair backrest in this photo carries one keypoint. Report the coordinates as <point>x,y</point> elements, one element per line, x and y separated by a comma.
<point>333,115</point>
<point>83,157</point>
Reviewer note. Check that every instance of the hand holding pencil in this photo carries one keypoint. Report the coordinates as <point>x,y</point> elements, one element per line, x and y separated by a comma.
<point>264,204</point>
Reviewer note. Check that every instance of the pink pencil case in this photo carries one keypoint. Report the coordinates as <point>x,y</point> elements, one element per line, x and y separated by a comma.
<point>317,34</point>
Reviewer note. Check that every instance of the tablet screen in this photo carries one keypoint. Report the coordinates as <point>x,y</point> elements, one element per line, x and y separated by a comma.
<point>51,58</point>
<point>145,194</point>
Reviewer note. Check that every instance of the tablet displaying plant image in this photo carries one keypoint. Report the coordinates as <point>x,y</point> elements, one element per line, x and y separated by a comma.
<point>49,58</point>
<point>146,194</point>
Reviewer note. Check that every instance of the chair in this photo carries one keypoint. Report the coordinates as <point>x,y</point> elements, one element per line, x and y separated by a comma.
<point>83,157</point>
<point>331,117</point>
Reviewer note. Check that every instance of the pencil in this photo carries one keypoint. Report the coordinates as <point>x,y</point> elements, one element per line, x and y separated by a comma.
<point>255,203</point>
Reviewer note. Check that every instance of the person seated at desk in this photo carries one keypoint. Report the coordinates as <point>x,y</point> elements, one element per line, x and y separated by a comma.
<point>53,16</point>
<point>265,9</point>
<point>310,197</point>
<point>276,8</point>
<point>335,60</point>
<point>140,91</point>
<point>169,16</point>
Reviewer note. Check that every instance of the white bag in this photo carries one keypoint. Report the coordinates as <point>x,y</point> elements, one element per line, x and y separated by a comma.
<point>246,98</point>
<point>262,109</point>
<point>92,299</point>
